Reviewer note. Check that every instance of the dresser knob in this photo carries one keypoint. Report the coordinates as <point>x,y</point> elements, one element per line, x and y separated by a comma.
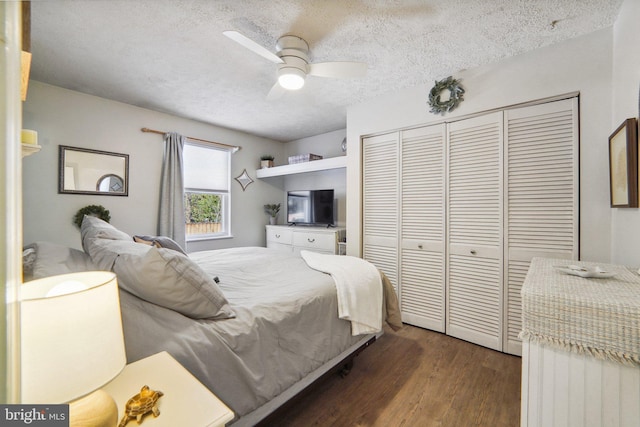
<point>311,240</point>
<point>473,252</point>
<point>277,236</point>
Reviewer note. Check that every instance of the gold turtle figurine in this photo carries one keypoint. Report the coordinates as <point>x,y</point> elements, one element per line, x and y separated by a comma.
<point>140,404</point>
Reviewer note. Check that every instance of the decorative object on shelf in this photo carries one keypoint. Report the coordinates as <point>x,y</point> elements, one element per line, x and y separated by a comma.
<point>28,136</point>
<point>85,171</point>
<point>623,165</point>
<point>71,334</point>
<point>343,146</point>
<point>98,211</point>
<point>266,161</point>
<point>29,140</point>
<point>244,179</point>
<point>139,405</point>
<point>456,93</point>
<point>302,158</point>
<point>272,211</point>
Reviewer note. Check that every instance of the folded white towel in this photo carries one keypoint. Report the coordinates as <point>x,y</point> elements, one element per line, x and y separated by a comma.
<point>359,289</point>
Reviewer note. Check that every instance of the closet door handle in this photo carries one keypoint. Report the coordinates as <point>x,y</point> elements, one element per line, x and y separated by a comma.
<point>419,246</point>
<point>473,252</point>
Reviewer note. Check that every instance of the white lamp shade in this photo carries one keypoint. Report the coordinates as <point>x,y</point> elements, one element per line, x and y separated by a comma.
<point>72,340</point>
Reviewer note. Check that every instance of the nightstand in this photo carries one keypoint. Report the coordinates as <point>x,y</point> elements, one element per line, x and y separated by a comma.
<point>186,402</point>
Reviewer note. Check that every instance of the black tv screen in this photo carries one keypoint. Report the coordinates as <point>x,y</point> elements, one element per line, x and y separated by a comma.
<point>310,207</point>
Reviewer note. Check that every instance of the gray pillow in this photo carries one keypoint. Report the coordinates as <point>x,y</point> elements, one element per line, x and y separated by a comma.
<point>43,259</point>
<point>161,276</point>
<point>28,262</point>
<point>103,252</point>
<point>93,227</point>
<point>160,242</point>
<point>170,279</point>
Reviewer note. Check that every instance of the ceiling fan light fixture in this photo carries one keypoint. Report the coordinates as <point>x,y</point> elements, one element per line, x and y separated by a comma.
<point>291,78</point>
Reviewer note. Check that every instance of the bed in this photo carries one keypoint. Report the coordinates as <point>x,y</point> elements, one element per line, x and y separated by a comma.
<point>254,325</point>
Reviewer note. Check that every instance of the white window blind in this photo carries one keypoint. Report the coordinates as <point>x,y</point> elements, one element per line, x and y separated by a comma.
<point>207,192</point>
<point>206,168</point>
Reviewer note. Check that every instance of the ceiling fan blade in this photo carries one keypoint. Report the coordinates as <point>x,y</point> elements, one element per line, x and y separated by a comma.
<point>338,69</point>
<point>276,92</point>
<point>253,46</point>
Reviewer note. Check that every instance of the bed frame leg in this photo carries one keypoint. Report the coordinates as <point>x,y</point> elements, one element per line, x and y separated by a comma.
<point>346,368</point>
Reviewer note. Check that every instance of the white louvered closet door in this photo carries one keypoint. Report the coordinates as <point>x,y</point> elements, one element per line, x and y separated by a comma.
<point>422,293</point>
<point>474,230</point>
<point>380,205</point>
<point>541,206</point>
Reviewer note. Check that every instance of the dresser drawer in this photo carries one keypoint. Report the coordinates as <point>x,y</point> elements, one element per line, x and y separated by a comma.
<point>279,235</point>
<point>317,241</point>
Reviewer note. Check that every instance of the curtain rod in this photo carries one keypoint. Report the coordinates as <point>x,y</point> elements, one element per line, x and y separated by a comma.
<point>233,148</point>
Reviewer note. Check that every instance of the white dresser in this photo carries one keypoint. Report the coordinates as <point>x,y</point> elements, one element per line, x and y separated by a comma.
<point>296,238</point>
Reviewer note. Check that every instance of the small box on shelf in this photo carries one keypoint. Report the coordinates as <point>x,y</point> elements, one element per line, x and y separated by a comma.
<point>302,158</point>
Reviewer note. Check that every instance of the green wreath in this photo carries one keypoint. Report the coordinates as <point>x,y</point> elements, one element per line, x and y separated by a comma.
<point>456,91</point>
<point>91,210</point>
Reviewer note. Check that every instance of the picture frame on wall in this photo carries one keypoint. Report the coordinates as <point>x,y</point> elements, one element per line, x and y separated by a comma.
<point>623,165</point>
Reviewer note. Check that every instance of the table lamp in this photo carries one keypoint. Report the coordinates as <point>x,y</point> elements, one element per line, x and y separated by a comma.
<point>72,344</point>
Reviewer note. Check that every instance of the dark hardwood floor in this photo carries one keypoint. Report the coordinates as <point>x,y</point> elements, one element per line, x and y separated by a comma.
<point>416,377</point>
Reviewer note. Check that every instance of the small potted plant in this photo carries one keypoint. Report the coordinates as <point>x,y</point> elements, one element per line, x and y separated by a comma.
<point>266,161</point>
<point>272,211</point>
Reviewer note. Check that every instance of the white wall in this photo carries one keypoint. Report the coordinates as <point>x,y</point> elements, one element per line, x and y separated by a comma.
<point>625,222</point>
<point>582,64</point>
<point>326,145</point>
<point>64,117</point>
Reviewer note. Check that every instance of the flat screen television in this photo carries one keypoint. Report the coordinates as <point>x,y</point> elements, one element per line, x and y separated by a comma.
<point>310,207</point>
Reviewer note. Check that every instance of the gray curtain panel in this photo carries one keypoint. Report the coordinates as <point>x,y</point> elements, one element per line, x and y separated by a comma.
<point>171,218</point>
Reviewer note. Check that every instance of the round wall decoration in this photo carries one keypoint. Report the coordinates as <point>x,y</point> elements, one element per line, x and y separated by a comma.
<point>455,95</point>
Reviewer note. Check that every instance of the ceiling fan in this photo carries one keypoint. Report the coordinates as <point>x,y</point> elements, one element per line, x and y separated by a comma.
<point>292,57</point>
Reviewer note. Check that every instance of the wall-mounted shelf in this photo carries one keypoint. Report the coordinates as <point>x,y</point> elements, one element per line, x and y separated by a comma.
<point>315,165</point>
<point>29,149</point>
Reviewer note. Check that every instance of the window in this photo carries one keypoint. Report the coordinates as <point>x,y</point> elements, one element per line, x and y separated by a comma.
<point>206,192</point>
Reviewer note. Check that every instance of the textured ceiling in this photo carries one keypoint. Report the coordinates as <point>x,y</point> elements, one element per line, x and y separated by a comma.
<point>171,56</point>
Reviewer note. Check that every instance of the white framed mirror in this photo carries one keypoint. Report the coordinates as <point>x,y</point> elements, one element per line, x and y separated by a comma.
<point>85,171</point>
